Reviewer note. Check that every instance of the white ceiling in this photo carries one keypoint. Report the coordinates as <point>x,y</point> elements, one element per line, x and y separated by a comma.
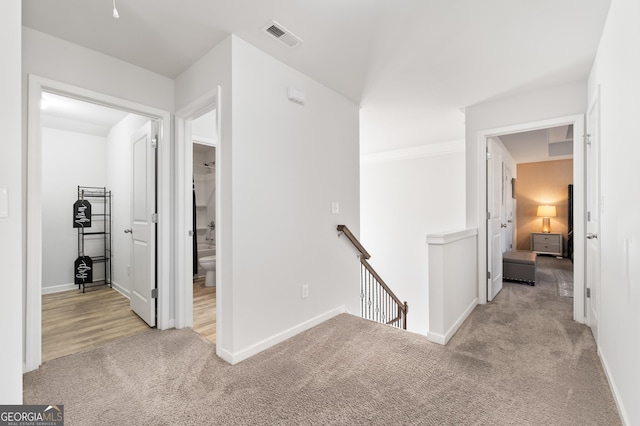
<point>59,112</point>
<point>540,145</point>
<point>412,65</point>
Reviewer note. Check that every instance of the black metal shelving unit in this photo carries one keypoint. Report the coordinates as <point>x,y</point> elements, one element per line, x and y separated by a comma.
<point>95,241</point>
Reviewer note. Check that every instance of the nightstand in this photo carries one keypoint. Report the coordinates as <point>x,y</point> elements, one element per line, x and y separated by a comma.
<point>546,243</point>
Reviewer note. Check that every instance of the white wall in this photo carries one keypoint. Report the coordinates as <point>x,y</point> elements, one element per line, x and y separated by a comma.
<point>616,72</point>
<point>69,159</point>
<point>289,163</point>
<point>452,282</point>
<point>11,261</point>
<point>280,167</point>
<point>403,200</point>
<point>59,60</point>
<point>529,107</point>
<point>118,181</point>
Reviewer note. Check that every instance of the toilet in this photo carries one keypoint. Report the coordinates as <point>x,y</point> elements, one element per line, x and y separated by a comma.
<point>208,263</point>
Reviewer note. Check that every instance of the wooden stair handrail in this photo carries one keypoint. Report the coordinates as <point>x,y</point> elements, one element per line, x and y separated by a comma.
<point>403,308</point>
<point>354,241</point>
<point>381,282</point>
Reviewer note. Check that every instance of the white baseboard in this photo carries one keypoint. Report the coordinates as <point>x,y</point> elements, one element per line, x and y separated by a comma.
<point>436,338</point>
<point>234,358</point>
<point>59,288</point>
<point>123,291</point>
<point>614,390</point>
<point>66,287</point>
<point>443,339</point>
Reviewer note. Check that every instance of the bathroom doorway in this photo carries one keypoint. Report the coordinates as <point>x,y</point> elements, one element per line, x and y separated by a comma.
<point>204,134</point>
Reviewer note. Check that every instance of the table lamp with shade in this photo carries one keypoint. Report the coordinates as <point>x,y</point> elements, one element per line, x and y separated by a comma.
<point>546,212</point>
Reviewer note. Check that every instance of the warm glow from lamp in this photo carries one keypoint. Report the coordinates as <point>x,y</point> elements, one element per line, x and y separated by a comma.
<point>545,212</point>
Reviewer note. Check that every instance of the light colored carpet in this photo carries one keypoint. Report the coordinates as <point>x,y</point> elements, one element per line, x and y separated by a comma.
<point>520,360</point>
<point>558,271</point>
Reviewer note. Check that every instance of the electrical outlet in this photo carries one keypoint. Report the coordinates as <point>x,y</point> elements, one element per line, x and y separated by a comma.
<point>305,291</point>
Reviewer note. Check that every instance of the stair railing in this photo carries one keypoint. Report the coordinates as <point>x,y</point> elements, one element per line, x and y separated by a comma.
<point>377,301</point>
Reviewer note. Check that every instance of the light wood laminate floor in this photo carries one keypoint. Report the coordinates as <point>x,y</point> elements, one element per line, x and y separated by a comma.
<point>74,322</point>
<point>204,309</point>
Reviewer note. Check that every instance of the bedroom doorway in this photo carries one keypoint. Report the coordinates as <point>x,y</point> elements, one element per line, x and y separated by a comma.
<point>485,256</point>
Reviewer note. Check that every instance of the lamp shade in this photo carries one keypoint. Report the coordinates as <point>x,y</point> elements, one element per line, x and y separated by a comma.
<point>546,211</point>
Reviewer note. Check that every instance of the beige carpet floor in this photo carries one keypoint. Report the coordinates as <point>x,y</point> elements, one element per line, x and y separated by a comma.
<point>520,360</point>
<point>558,271</point>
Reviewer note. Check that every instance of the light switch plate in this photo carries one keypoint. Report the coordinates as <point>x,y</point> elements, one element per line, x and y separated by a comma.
<point>4,203</point>
<point>335,208</point>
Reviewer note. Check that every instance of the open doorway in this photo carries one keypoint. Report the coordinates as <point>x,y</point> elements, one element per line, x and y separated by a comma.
<point>205,111</point>
<point>543,197</point>
<point>204,138</point>
<point>488,261</point>
<point>87,159</point>
<point>75,163</point>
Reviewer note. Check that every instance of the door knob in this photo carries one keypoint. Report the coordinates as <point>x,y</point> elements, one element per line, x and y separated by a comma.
<point>128,231</point>
<point>503,225</point>
<point>591,236</point>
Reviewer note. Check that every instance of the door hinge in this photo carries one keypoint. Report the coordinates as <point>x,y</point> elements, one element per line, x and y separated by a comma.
<point>488,156</point>
<point>154,141</point>
<point>154,218</point>
<point>588,216</point>
<point>488,215</point>
<point>488,275</point>
<point>587,138</point>
<point>154,293</point>
<point>588,292</point>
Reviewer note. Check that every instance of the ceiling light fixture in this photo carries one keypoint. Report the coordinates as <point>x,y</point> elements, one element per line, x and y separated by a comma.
<point>115,11</point>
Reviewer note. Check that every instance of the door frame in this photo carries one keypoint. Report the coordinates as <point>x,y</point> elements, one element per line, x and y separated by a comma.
<point>183,210</point>
<point>591,281</point>
<point>33,291</point>
<point>578,122</point>
<point>510,230</point>
<point>491,156</point>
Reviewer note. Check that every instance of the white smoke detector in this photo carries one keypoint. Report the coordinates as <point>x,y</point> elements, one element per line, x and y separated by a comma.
<point>280,33</point>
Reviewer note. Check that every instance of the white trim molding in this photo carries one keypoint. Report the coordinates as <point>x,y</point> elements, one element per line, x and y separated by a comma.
<point>443,339</point>
<point>234,358</point>
<point>429,150</point>
<point>448,237</point>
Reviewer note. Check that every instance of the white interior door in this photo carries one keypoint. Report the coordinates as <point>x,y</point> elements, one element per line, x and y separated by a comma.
<point>592,293</point>
<point>494,221</point>
<point>143,224</point>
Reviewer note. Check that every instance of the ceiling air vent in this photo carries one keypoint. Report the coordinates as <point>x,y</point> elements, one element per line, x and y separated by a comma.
<point>280,33</point>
